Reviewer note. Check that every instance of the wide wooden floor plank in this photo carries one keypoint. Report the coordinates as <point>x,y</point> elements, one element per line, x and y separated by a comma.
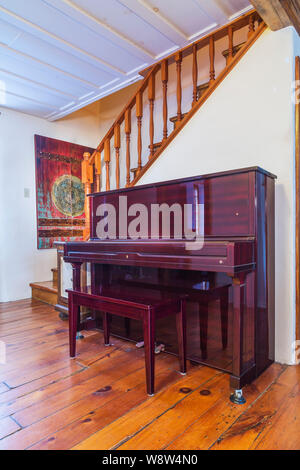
<point>98,400</point>
<point>39,384</point>
<point>131,423</point>
<point>103,395</point>
<point>202,434</point>
<point>8,426</point>
<point>275,435</point>
<point>256,419</point>
<point>101,417</point>
<point>159,433</point>
<point>3,387</point>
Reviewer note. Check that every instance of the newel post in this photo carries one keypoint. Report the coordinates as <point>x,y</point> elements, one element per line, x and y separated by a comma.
<point>87,180</point>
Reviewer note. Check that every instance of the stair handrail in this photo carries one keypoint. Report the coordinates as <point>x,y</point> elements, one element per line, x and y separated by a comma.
<point>92,164</point>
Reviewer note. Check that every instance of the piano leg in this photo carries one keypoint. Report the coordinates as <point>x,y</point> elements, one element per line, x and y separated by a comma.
<point>181,336</point>
<point>73,318</point>
<point>224,316</point>
<point>106,328</point>
<point>241,373</point>
<point>76,267</point>
<point>149,346</point>
<point>203,323</point>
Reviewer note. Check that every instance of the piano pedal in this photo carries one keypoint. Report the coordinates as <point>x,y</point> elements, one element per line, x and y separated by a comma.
<point>237,397</point>
<point>158,348</point>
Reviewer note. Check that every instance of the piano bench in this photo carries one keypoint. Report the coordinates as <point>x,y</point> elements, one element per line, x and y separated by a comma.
<point>144,304</point>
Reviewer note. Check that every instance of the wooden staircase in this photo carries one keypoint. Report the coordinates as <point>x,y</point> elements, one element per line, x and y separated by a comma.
<point>46,291</point>
<point>105,169</point>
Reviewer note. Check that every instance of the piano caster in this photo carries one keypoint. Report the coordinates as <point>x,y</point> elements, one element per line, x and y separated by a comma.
<point>79,336</point>
<point>237,397</point>
<point>63,316</point>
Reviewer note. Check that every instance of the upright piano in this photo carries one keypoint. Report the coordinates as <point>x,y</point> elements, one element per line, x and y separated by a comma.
<point>231,214</point>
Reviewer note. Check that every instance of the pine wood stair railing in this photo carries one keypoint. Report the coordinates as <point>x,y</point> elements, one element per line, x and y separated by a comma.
<point>93,165</point>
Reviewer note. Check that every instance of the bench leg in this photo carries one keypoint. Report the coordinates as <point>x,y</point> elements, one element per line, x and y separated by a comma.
<point>73,323</point>
<point>106,328</point>
<point>149,346</point>
<point>181,336</point>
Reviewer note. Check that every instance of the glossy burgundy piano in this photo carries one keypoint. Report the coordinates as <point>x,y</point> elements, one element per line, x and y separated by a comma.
<point>237,221</point>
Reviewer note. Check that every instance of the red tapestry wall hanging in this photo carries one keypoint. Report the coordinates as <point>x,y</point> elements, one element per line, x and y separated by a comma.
<point>59,191</point>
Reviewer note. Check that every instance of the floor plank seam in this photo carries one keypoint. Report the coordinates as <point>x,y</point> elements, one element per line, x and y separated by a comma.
<point>269,418</point>
<point>13,419</point>
<point>249,407</point>
<point>44,376</point>
<point>164,412</point>
<point>67,406</point>
<point>71,422</point>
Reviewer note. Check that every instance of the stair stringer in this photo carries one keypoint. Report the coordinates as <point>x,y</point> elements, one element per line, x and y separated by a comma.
<point>206,95</point>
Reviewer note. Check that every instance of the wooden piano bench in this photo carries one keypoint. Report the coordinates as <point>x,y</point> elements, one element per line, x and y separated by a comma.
<point>136,303</point>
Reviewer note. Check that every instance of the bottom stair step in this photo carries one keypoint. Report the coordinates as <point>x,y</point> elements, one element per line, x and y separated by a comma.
<point>44,291</point>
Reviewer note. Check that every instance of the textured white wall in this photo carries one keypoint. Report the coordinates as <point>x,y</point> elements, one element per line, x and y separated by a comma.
<point>21,262</point>
<point>249,121</point>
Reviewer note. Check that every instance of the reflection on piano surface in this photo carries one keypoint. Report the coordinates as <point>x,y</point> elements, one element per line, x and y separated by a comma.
<point>229,277</point>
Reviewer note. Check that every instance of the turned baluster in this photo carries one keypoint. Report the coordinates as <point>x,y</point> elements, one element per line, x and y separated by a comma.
<point>195,74</point>
<point>151,97</point>
<point>178,60</point>
<point>107,162</point>
<point>164,79</point>
<point>128,132</point>
<point>230,47</point>
<point>117,150</point>
<point>251,26</point>
<point>98,171</point>
<point>87,177</point>
<point>212,60</point>
<point>139,115</point>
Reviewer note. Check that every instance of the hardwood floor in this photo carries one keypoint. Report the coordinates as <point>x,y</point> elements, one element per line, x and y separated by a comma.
<point>98,400</point>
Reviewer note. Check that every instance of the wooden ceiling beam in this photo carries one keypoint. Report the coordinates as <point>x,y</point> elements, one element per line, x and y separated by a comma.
<point>279,14</point>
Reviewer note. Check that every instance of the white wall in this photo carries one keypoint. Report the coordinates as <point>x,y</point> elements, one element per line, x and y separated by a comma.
<point>248,121</point>
<point>20,261</point>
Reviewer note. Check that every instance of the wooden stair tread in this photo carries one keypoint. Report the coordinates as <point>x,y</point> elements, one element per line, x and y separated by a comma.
<point>174,119</point>
<point>48,286</point>
<point>46,292</point>
<point>156,145</point>
<point>236,49</point>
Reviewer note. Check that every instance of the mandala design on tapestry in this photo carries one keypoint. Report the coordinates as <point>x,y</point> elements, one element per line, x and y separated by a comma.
<point>68,195</point>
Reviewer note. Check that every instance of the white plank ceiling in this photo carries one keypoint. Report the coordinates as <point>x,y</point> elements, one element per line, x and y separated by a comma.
<point>57,56</point>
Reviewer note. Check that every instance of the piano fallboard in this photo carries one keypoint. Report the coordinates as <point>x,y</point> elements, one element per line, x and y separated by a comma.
<point>217,256</point>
